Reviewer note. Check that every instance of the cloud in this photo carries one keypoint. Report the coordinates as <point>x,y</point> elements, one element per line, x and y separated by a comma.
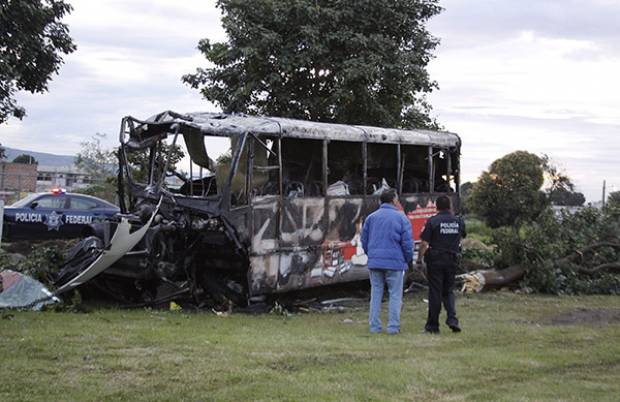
<point>587,151</point>
<point>129,61</point>
<point>533,75</point>
<point>160,20</point>
<point>477,22</point>
<point>538,75</point>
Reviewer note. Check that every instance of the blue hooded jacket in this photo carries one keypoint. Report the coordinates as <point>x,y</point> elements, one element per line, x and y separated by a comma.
<point>386,239</point>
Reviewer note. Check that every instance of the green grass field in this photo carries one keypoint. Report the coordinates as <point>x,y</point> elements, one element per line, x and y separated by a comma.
<point>510,349</point>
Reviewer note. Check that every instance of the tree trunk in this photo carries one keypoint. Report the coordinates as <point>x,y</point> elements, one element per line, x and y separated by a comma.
<point>480,280</point>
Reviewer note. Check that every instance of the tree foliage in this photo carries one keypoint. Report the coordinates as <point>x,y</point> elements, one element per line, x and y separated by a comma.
<point>100,165</point>
<point>561,190</point>
<point>509,194</point>
<point>32,42</point>
<point>558,252</point>
<point>566,198</point>
<point>566,254</point>
<point>558,180</point>
<point>349,61</point>
<point>95,160</point>
<point>613,198</point>
<point>612,207</point>
<point>466,190</point>
<point>25,158</point>
<point>139,161</point>
<point>2,152</point>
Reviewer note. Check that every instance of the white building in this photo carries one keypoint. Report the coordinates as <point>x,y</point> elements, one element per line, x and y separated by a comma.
<point>67,177</point>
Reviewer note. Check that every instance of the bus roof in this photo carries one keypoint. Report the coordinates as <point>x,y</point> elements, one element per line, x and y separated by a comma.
<point>230,125</point>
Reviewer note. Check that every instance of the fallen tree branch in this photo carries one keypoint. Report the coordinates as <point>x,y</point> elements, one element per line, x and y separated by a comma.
<point>602,267</point>
<point>580,253</point>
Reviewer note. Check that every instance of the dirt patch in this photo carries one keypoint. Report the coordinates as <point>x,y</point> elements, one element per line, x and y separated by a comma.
<point>584,316</point>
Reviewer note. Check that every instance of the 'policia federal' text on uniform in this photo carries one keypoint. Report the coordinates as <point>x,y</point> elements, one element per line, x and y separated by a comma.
<point>443,232</point>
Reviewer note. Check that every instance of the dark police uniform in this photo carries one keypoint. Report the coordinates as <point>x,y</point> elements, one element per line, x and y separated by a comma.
<point>443,232</point>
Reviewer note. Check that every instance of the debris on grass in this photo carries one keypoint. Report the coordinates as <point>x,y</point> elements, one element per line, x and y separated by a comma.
<point>20,291</point>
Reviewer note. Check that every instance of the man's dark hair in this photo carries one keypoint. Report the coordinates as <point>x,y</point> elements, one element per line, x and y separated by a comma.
<point>443,203</point>
<point>388,196</point>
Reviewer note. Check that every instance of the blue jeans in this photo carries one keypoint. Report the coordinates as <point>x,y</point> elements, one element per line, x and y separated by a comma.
<point>394,280</point>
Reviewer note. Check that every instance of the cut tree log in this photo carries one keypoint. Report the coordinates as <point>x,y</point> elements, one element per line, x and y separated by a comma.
<point>476,281</point>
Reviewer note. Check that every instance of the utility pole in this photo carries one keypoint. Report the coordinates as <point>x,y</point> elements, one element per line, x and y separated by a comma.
<point>604,183</point>
<point>1,218</point>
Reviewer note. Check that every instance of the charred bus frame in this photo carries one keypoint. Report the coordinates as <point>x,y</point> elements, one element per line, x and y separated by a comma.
<point>281,212</point>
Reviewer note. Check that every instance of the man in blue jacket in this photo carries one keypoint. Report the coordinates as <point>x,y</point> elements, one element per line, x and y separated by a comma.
<point>387,241</point>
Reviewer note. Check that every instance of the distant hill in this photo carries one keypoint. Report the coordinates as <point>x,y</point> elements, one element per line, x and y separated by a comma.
<point>42,157</point>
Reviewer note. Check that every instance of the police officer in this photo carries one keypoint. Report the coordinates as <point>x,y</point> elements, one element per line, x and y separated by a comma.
<point>440,249</point>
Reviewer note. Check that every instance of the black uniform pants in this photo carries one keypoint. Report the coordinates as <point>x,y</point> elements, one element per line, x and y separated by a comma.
<point>440,290</point>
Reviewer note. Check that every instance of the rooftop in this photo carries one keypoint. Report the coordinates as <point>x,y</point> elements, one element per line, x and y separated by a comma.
<point>217,124</point>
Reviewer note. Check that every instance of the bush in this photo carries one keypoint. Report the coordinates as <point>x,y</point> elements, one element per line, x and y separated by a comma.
<point>42,262</point>
<point>474,259</point>
<point>478,230</point>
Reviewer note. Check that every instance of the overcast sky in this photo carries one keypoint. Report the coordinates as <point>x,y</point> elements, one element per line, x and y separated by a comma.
<point>532,74</point>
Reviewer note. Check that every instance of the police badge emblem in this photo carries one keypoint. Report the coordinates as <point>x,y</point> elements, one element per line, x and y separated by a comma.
<point>54,221</point>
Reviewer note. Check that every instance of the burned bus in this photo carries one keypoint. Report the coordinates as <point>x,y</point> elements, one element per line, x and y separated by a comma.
<point>281,210</point>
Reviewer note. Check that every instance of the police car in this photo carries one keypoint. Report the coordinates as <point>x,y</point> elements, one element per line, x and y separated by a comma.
<point>54,215</point>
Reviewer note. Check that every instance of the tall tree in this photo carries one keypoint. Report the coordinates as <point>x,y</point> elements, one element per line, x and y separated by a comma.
<point>561,190</point>
<point>25,158</point>
<point>96,161</point>
<point>347,61</point>
<point>566,198</point>
<point>509,194</point>
<point>614,198</point>
<point>2,152</point>
<point>100,165</point>
<point>139,161</point>
<point>32,42</point>
<point>466,190</point>
<point>612,207</point>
